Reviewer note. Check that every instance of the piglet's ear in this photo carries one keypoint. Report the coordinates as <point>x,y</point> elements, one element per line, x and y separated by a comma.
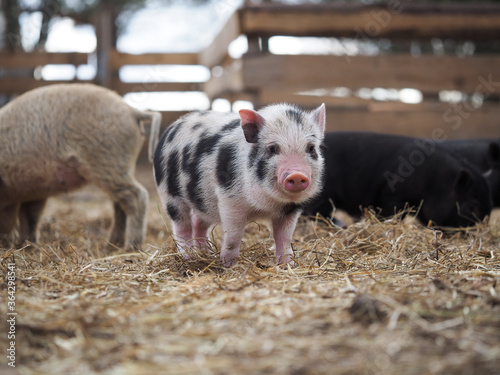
<point>251,122</point>
<point>319,116</point>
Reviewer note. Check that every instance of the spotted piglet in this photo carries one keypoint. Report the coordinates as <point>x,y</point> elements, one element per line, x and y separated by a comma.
<point>223,168</point>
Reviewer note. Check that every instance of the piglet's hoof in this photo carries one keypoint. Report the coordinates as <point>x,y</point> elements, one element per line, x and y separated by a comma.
<point>286,261</point>
<point>229,261</point>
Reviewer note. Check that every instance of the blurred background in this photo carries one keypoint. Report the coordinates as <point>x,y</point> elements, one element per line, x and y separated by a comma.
<point>407,67</point>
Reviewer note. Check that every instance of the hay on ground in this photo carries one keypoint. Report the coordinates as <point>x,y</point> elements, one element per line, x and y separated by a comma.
<point>386,297</point>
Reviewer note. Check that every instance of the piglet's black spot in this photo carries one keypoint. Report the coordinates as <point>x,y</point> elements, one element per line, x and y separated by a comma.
<point>252,156</point>
<point>168,130</point>
<point>231,126</point>
<point>186,157</point>
<point>206,145</point>
<point>173,212</point>
<point>226,166</point>
<point>172,131</point>
<point>192,187</point>
<point>261,169</point>
<point>194,193</point>
<point>173,186</point>
<point>158,160</point>
<point>295,115</point>
<point>190,164</point>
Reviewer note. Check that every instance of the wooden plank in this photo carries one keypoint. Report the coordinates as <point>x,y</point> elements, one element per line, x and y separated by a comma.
<point>269,96</point>
<point>216,52</point>
<point>118,59</point>
<point>12,86</point>
<point>34,59</point>
<point>384,20</point>
<point>232,97</point>
<point>446,122</point>
<point>429,74</point>
<point>168,117</point>
<point>127,87</point>
<point>356,103</point>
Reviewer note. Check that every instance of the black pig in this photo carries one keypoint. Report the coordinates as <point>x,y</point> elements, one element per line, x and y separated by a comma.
<point>387,172</point>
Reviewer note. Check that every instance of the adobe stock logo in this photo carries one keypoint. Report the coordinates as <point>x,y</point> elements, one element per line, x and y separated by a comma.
<point>406,167</point>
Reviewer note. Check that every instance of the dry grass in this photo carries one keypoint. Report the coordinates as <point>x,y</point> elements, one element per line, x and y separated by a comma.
<point>387,297</point>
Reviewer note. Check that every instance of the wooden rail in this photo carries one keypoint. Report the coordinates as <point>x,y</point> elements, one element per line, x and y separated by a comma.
<point>427,73</point>
<point>18,62</point>
<point>392,19</point>
<point>29,60</point>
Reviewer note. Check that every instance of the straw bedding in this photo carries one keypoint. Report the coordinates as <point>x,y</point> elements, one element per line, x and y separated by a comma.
<point>386,297</point>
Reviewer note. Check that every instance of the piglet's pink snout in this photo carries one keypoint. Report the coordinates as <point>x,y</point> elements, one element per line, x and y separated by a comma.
<point>296,182</point>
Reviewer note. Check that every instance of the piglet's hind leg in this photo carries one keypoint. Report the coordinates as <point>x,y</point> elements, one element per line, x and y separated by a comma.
<point>182,229</point>
<point>200,232</point>
<point>283,229</point>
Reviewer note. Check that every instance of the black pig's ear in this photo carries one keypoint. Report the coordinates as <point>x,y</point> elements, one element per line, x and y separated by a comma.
<point>494,154</point>
<point>463,181</point>
<point>251,122</point>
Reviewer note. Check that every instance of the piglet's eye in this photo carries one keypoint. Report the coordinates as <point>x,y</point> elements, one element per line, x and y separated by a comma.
<point>273,150</point>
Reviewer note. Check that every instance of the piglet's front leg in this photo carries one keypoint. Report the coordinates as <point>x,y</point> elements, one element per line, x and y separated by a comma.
<point>233,225</point>
<point>283,229</point>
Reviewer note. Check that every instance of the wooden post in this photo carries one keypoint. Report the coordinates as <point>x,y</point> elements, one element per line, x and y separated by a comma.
<point>104,25</point>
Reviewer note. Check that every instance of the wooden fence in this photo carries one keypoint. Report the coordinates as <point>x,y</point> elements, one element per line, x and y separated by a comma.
<point>264,77</point>
<point>307,80</point>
